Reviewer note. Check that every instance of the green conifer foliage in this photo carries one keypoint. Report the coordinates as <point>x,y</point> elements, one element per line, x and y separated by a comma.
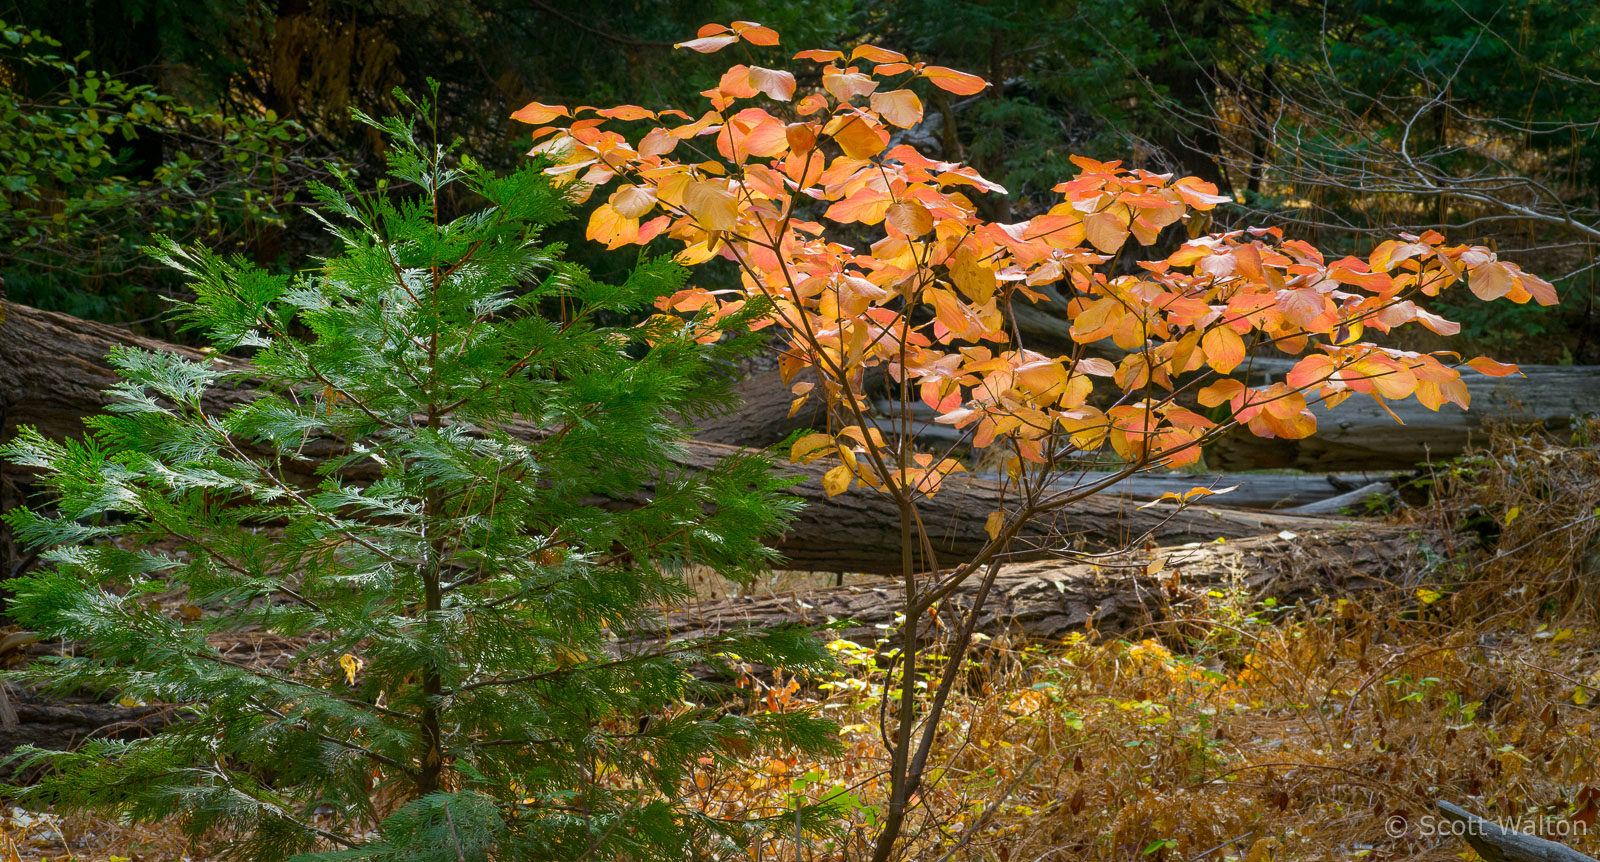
<point>460,573</point>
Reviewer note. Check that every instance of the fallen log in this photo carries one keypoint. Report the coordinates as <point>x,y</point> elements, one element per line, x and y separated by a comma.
<point>1292,493</point>
<point>1041,601</point>
<point>1359,434</point>
<point>1495,843</point>
<point>859,531</point>
<point>1351,500</point>
<point>763,417</point>
<point>65,724</point>
<point>53,371</point>
<point>1047,600</point>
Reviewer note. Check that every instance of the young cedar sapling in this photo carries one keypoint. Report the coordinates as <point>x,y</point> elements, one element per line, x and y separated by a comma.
<point>421,501</point>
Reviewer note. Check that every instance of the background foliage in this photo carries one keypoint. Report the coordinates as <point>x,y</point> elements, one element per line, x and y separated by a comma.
<point>207,112</point>
<point>209,109</point>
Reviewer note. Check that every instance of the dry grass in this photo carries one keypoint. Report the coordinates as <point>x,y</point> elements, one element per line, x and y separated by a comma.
<point>1292,738</point>
<point>1244,733</point>
<point>28,836</point>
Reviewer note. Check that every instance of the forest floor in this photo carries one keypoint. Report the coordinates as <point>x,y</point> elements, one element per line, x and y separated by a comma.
<point>1243,732</point>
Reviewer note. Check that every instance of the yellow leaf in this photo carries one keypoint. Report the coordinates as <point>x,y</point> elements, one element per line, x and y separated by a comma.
<point>974,279</point>
<point>858,138</point>
<point>910,218</point>
<point>351,665</point>
<point>633,201</point>
<point>1348,333</point>
<point>1027,702</point>
<point>1512,514</point>
<point>566,656</point>
<point>848,457</point>
<point>1580,695</point>
<point>1428,596</point>
<point>836,480</point>
<point>610,226</point>
<point>807,448</point>
<point>713,205</point>
<point>993,524</point>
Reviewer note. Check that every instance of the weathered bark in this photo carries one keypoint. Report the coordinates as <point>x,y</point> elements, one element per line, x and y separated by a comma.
<point>64,725</point>
<point>1047,600</point>
<point>53,371</point>
<point>1289,493</point>
<point>53,367</point>
<point>763,419</point>
<point>1379,493</point>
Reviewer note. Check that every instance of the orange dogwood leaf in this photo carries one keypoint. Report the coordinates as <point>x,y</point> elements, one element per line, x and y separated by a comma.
<point>755,33</point>
<point>1223,347</point>
<point>857,136</point>
<point>876,54</point>
<point>713,203</point>
<point>1107,229</point>
<point>1485,365</point>
<point>960,83</point>
<point>910,218</point>
<point>537,113</point>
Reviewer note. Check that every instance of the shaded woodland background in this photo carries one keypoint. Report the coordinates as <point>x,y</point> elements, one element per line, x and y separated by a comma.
<point>204,118</point>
